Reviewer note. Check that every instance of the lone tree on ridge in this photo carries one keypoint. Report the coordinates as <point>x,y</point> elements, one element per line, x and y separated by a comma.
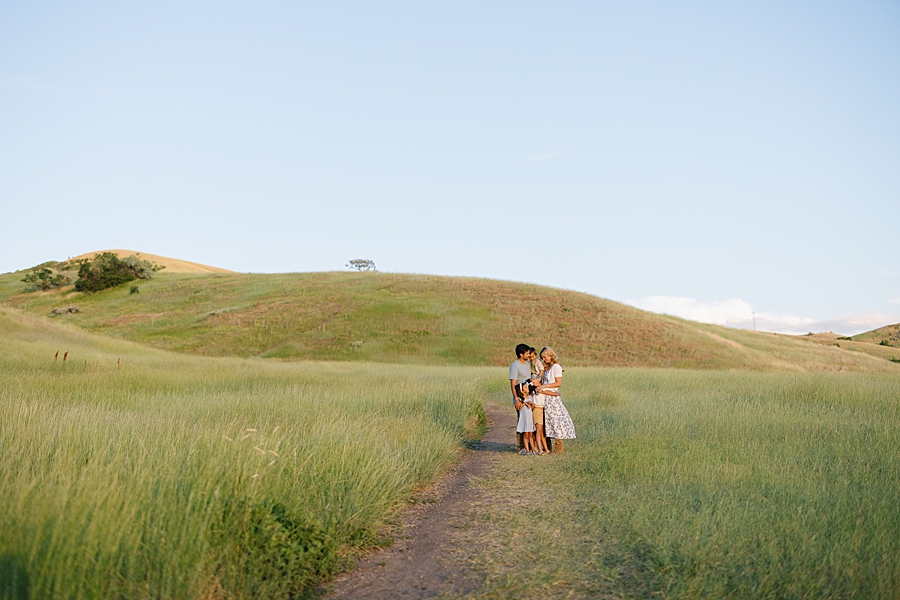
<point>362,264</point>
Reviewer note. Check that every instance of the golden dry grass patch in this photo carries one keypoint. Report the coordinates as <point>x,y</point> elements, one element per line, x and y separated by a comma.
<point>172,265</point>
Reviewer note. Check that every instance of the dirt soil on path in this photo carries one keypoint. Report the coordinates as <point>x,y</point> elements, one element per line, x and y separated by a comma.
<point>420,562</point>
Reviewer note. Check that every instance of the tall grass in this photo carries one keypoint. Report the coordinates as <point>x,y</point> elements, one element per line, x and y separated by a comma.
<point>127,472</point>
<point>749,485</point>
<point>715,485</point>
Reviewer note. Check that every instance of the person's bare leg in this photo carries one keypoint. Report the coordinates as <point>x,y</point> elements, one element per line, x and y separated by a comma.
<point>541,440</point>
<point>519,441</point>
<point>529,442</point>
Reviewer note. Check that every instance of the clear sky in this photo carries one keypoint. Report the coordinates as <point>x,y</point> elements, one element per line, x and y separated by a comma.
<point>702,159</point>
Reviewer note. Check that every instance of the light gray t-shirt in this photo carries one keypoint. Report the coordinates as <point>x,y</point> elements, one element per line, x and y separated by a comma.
<point>521,372</point>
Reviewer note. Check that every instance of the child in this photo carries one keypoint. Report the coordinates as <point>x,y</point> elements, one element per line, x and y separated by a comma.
<point>537,367</point>
<point>537,372</point>
<point>526,421</point>
<point>537,412</point>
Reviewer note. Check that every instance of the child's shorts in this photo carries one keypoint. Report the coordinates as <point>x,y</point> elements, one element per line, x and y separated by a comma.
<point>538,415</point>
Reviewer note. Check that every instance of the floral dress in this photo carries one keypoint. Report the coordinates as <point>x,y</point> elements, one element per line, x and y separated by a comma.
<point>557,422</point>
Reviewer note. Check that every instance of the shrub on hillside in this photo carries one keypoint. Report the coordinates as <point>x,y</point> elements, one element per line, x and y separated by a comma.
<point>107,270</point>
<point>143,269</point>
<point>46,277</point>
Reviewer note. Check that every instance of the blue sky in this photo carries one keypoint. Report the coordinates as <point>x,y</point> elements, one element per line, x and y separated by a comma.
<point>704,159</point>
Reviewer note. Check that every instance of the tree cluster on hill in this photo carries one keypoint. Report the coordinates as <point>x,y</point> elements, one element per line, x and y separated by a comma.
<point>107,270</point>
<point>47,276</point>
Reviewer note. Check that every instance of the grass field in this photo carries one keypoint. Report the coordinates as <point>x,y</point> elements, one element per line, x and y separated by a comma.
<point>236,468</point>
<point>701,485</point>
<point>420,319</point>
<point>126,472</point>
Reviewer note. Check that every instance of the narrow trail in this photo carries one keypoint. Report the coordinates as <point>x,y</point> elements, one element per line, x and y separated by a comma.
<point>418,564</point>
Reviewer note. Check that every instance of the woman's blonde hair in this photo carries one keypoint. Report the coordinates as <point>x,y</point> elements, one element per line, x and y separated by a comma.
<point>554,360</point>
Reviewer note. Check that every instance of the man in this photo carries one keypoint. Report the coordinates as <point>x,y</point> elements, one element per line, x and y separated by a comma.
<point>519,372</point>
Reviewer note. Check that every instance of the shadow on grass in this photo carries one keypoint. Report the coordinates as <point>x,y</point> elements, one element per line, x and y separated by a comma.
<point>14,580</point>
<point>487,446</point>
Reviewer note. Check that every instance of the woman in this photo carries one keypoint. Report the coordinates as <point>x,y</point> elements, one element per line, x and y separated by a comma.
<point>557,422</point>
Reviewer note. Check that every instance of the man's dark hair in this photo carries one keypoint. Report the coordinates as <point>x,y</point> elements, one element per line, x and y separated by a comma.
<point>522,349</point>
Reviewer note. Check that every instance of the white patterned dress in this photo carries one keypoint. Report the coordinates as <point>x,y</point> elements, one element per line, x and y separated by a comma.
<point>557,422</point>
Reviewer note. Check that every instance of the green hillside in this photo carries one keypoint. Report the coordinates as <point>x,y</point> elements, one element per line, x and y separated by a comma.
<point>881,343</point>
<point>889,335</point>
<point>415,319</point>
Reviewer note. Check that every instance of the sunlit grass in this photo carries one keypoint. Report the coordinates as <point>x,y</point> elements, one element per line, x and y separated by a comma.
<point>130,472</point>
<point>127,472</point>
<point>705,485</point>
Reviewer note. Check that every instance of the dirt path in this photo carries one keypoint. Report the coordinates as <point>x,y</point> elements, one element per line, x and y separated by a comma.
<point>419,563</point>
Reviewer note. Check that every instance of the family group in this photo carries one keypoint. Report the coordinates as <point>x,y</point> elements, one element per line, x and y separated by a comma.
<point>535,380</point>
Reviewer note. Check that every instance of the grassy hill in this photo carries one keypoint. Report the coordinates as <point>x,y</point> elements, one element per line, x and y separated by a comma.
<point>416,319</point>
<point>171,265</point>
<point>882,343</point>
<point>888,335</point>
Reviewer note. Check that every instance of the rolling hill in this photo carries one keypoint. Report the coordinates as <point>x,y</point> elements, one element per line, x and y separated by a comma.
<point>888,335</point>
<point>418,319</point>
<point>883,342</point>
<point>172,265</point>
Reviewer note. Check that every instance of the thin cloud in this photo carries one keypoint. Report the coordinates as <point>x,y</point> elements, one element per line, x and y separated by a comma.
<point>739,314</point>
<point>545,155</point>
<point>894,301</point>
<point>720,313</point>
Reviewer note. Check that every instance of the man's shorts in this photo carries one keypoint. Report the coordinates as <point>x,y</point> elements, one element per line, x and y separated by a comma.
<point>537,414</point>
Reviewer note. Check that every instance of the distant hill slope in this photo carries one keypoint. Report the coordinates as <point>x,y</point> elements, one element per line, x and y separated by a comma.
<point>889,335</point>
<point>869,344</point>
<point>172,265</point>
<point>416,319</point>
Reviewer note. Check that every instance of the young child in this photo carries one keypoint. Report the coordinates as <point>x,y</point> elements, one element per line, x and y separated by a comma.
<point>526,421</point>
<point>537,412</point>
<point>537,367</point>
